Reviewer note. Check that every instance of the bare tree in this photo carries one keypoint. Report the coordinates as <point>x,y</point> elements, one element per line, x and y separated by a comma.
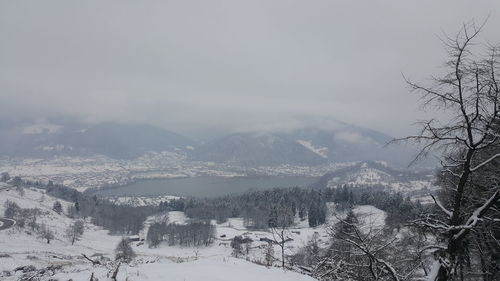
<point>46,233</point>
<point>269,254</point>
<point>280,222</point>
<point>357,254</point>
<point>123,251</point>
<point>11,209</point>
<point>17,181</point>
<point>94,262</point>
<point>75,231</point>
<point>20,190</point>
<point>469,91</point>
<point>4,177</point>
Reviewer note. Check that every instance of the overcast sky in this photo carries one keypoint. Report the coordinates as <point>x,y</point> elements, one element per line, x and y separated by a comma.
<point>196,65</point>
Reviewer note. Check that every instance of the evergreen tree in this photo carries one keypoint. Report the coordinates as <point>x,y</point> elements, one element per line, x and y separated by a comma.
<point>4,177</point>
<point>57,207</point>
<point>237,245</point>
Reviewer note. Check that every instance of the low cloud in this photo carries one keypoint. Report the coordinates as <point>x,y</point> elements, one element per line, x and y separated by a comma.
<point>225,65</point>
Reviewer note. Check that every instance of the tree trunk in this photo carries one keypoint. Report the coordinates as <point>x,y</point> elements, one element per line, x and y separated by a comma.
<point>283,254</point>
<point>115,273</point>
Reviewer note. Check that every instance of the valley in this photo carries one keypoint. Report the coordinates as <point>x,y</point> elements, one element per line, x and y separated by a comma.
<point>83,173</point>
<point>249,140</point>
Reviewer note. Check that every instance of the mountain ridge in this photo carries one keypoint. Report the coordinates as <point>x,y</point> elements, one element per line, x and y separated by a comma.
<point>303,146</point>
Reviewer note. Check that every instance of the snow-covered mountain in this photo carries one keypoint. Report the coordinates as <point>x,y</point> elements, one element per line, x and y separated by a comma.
<point>43,138</point>
<point>304,146</point>
<point>254,149</point>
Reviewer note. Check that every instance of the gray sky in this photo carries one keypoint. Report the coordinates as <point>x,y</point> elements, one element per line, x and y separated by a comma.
<point>197,65</point>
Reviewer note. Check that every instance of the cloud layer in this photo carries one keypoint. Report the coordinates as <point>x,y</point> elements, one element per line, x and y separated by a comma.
<point>194,66</point>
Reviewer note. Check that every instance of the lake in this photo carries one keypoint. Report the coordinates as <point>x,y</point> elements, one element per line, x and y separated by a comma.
<point>204,186</point>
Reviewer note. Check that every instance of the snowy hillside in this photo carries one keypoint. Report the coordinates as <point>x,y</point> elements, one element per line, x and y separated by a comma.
<point>61,260</point>
<point>416,184</point>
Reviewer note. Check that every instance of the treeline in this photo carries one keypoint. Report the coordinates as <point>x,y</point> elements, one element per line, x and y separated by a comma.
<point>27,218</point>
<point>279,206</point>
<point>259,209</point>
<point>191,234</point>
<point>23,216</point>
<point>118,219</point>
<point>399,209</point>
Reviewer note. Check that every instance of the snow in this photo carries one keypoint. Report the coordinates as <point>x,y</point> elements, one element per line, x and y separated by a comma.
<point>207,269</point>
<point>370,217</point>
<point>217,269</point>
<point>365,176</point>
<point>141,200</point>
<point>82,173</point>
<point>434,271</point>
<point>163,263</point>
<point>321,151</point>
<point>97,171</point>
<point>177,217</point>
<point>32,197</point>
<point>23,246</point>
<point>173,262</point>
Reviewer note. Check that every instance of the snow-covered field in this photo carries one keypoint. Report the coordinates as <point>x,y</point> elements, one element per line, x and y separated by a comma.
<point>20,248</point>
<point>201,268</point>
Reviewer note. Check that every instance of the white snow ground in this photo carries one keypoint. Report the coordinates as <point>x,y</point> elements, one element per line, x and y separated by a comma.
<point>18,248</point>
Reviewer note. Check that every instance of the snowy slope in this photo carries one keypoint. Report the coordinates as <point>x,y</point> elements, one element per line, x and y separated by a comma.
<point>416,184</point>
<point>321,151</point>
<point>204,268</point>
<point>20,247</point>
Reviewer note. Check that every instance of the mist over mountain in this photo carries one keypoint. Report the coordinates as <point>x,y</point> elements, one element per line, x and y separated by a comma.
<point>306,145</point>
<point>46,138</point>
<point>256,149</point>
